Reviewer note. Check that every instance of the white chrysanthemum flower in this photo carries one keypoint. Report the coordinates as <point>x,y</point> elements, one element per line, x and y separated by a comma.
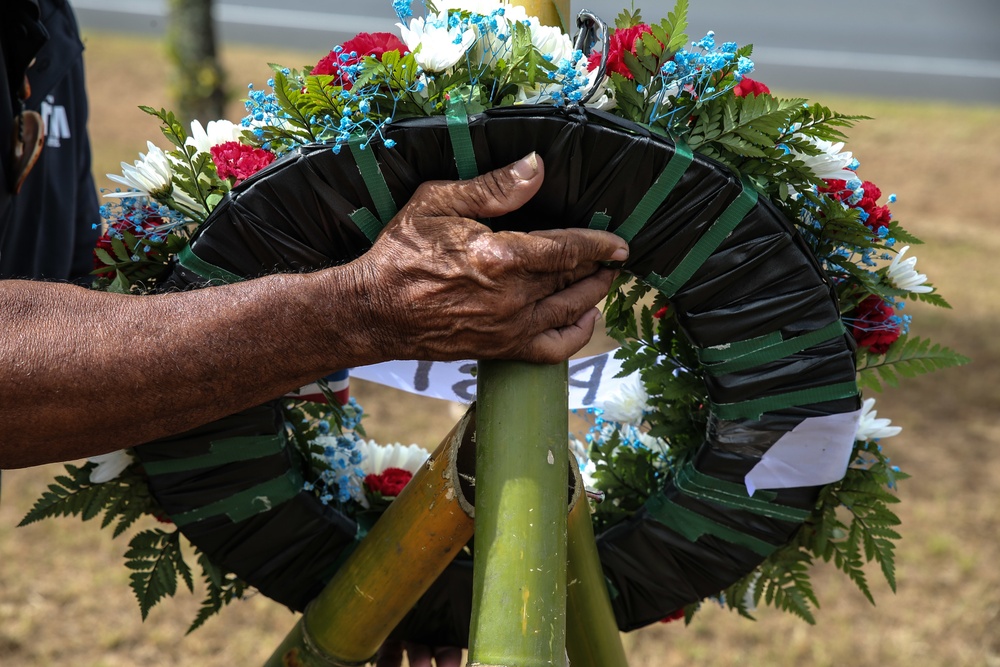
<point>872,428</point>
<point>551,41</point>
<point>902,274</point>
<point>656,445</point>
<point>109,466</point>
<point>630,404</point>
<point>487,7</point>
<point>586,466</point>
<point>602,99</point>
<point>151,175</point>
<point>376,458</point>
<point>832,163</point>
<point>216,133</point>
<point>434,45</point>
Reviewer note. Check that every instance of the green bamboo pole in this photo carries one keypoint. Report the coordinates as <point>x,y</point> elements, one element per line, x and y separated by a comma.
<point>592,638</point>
<point>519,566</point>
<point>402,555</point>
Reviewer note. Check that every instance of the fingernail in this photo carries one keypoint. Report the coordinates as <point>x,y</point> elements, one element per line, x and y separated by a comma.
<point>620,255</point>
<point>527,167</point>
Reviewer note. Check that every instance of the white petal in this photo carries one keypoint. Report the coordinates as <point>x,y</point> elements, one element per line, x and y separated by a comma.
<point>109,466</point>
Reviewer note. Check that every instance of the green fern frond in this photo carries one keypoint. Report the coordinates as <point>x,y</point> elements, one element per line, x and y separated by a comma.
<point>908,357</point>
<point>221,588</point>
<point>156,560</point>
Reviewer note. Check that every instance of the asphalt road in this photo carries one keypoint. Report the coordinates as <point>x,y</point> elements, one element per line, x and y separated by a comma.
<point>893,48</point>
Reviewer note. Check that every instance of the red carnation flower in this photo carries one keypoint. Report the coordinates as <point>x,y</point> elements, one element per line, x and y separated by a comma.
<point>878,216</point>
<point>621,40</point>
<point>836,188</point>
<point>674,616</point>
<point>137,222</point>
<point>389,482</point>
<point>240,161</point>
<point>871,196</point>
<point>872,325</point>
<point>875,216</point>
<point>748,86</point>
<point>357,49</point>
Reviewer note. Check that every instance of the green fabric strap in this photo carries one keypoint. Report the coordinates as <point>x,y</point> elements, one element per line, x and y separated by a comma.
<point>728,351</point>
<point>600,221</point>
<point>657,193</point>
<point>372,175</point>
<point>695,484</point>
<point>778,350</point>
<point>708,243</point>
<point>245,504</point>
<point>221,452</point>
<point>754,408</point>
<point>461,138</point>
<point>367,223</point>
<point>190,261</point>
<point>692,525</point>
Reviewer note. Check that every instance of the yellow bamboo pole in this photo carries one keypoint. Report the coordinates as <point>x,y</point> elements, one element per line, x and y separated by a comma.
<point>402,555</point>
<point>549,12</point>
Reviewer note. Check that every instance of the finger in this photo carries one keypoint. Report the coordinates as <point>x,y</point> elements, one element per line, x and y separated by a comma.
<point>448,656</point>
<point>390,654</point>
<point>418,655</point>
<point>566,306</point>
<point>555,345</point>
<point>567,249</point>
<point>492,194</point>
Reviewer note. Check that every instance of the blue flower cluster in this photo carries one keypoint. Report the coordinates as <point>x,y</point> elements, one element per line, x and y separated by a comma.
<point>697,73</point>
<point>340,479</point>
<point>144,219</point>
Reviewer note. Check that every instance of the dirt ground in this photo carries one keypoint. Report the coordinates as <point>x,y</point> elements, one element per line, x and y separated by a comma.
<point>64,595</point>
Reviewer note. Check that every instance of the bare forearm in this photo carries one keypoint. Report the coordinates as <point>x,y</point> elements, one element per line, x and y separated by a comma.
<point>437,285</point>
<point>76,365</point>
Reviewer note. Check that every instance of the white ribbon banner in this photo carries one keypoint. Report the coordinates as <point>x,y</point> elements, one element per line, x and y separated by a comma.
<point>591,379</point>
<point>814,453</point>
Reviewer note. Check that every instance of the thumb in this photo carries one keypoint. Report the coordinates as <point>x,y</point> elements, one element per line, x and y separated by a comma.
<point>492,194</point>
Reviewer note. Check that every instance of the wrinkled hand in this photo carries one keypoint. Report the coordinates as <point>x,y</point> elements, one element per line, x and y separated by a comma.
<point>418,655</point>
<point>442,286</point>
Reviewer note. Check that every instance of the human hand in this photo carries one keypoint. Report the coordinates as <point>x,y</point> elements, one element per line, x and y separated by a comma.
<point>438,285</point>
<point>391,655</point>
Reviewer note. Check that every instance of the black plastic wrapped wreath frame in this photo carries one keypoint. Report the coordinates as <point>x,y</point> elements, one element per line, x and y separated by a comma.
<point>735,270</point>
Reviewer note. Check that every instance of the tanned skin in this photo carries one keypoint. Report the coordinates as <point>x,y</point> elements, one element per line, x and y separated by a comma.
<point>77,365</point>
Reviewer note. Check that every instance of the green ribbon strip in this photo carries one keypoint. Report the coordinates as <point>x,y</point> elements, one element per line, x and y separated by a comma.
<point>245,504</point>
<point>755,408</point>
<point>695,484</point>
<point>367,223</point>
<point>213,274</point>
<point>658,192</point>
<point>777,350</point>
<point>221,452</point>
<point>374,180</point>
<point>707,244</point>
<point>461,138</point>
<point>600,221</point>
<point>727,351</point>
<point>692,525</point>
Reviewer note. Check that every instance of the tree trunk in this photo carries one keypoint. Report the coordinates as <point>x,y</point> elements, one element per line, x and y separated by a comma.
<point>198,81</point>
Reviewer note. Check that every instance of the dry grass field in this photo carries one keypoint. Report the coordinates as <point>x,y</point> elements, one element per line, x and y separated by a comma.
<point>64,595</point>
